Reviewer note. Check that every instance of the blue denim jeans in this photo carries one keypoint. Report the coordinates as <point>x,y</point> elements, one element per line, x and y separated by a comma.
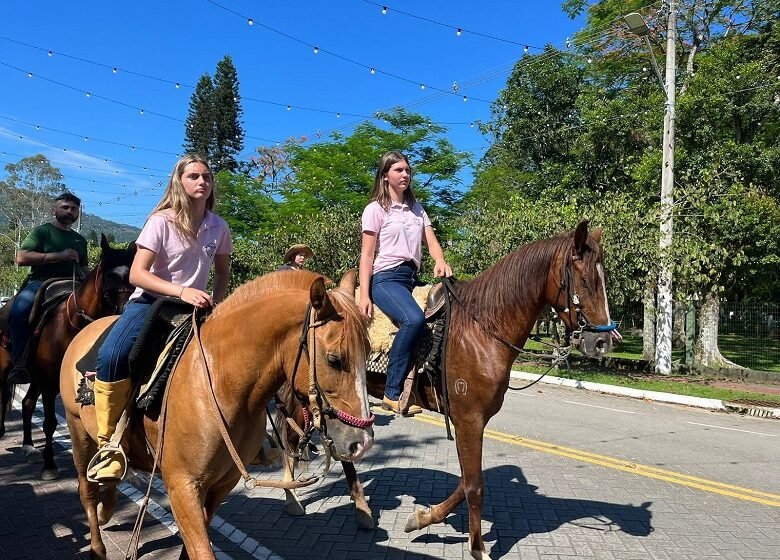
<point>112,360</point>
<point>19,321</point>
<point>391,291</point>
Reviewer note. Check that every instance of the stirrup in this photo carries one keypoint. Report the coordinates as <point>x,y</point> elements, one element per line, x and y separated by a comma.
<point>106,453</point>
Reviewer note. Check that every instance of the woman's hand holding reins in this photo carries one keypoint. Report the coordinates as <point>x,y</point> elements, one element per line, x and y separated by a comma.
<point>441,268</point>
<point>198,298</point>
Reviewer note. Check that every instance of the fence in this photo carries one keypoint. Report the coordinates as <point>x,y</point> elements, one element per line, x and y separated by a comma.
<point>748,332</point>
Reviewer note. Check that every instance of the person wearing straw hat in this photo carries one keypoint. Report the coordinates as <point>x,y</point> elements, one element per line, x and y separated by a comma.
<point>296,256</point>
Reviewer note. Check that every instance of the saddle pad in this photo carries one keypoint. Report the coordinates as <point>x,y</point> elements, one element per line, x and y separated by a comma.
<point>382,331</point>
<point>152,390</point>
<point>428,350</point>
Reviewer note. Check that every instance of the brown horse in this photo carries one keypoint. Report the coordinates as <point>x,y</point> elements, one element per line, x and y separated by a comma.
<point>105,291</point>
<point>252,344</point>
<point>491,318</point>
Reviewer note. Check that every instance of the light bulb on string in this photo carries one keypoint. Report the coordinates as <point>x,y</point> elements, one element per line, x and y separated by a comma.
<point>384,10</point>
<point>86,139</point>
<point>142,111</point>
<point>178,85</point>
<point>525,49</point>
<point>590,60</point>
<point>289,108</point>
<point>29,74</point>
<point>459,32</point>
<point>422,86</point>
<point>465,98</point>
<point>373,71</point>
<point>250,21</point>
<point>338,115</point>
<point>88,94</point>
<point>51,53</point>
<point>568,43</point>
<point>113,70</point>
<point>316,50</point>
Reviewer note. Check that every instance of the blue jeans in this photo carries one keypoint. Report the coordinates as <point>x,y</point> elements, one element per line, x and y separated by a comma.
<point>112,359</point>
<point>391,291</point>
<point>19,321</point>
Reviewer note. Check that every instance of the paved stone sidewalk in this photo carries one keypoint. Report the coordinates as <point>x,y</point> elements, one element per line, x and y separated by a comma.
<point>537,506</point>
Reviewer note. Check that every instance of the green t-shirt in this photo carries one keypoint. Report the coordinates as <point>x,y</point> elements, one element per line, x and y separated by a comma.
<point>48,238</point>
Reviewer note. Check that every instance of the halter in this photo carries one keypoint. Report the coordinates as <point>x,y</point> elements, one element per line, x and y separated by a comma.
<point>109,307</point>
<point>568,285</point>
<point>317,406</point>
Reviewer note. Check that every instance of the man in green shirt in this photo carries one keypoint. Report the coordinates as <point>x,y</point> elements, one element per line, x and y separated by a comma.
<point>51,250</point>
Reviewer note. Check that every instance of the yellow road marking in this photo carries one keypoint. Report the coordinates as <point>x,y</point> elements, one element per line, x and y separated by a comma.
<point>738,492</point>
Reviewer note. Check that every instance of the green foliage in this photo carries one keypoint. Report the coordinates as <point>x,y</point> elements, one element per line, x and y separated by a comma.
<point>27,194</point>
<point>213,127</point>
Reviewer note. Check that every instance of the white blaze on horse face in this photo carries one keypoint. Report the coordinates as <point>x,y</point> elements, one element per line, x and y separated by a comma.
<point>362,391</point>
<point>603,280</point>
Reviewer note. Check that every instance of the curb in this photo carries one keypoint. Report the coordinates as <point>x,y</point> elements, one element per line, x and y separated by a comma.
<point>714,404</point>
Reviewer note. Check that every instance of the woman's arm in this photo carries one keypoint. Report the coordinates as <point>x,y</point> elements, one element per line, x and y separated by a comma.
<point>141,276</point>
<point>367,247</point>
<point>221,277</point>
<point>441,268</point>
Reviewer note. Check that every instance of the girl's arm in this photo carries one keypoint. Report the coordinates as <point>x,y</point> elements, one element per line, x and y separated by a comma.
<point>221,276</point>
<point>441,268</point>
<point>141,276</point>
<point>367,247</point>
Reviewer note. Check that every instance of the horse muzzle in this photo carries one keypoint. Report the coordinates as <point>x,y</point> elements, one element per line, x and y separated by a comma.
<point>594,344</point>
<point>349,442</point>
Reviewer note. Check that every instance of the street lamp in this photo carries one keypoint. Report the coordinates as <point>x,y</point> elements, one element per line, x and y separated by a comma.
<point>663,336</point>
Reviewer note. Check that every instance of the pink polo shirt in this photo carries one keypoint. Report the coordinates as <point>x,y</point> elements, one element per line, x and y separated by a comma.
<point>180,260</point>
<point>399,233</point>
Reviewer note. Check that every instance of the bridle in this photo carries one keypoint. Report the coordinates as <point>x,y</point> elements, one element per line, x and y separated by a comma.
<point>576,316</point>
<point>108,306</point>
<point>316,406</point>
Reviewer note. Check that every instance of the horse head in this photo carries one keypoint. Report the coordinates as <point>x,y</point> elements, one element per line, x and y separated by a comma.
<point>581,296</point>
<point>337,349</point>
<point>113,280</point>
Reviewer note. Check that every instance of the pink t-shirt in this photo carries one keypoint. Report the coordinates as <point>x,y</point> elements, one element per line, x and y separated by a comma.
<point>399,233</point>
<point>179,260</point>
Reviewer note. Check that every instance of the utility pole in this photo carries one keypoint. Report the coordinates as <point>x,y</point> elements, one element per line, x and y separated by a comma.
<point>663,338</point>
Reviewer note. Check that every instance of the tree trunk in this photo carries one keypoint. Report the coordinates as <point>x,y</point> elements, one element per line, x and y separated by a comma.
<point>707,351</point>
<point>678,325</point>
<point>648,324</point>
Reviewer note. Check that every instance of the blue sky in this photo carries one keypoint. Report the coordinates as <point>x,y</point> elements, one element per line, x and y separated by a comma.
<point>155,45</point>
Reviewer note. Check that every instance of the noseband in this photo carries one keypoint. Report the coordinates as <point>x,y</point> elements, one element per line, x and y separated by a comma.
<point>568,286</point>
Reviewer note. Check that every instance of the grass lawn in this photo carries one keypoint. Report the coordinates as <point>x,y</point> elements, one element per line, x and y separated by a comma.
<point>733,347</point>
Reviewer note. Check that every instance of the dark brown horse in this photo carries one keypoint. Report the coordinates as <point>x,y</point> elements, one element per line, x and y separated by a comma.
<point>251,345</point>
<point>105,291</point>
<point>490,315</point>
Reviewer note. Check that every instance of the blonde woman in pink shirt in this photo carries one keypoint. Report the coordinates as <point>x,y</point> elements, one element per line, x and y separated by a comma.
<point>179,245</point>
<point>394,226</point>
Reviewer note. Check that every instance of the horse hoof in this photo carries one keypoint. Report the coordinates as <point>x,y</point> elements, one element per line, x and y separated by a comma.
<point>414,521</point>
<point>364,519</point>
<point>50,474</point>
<point>104,514</point>
<point>294,509</point>
<point>31,454</point>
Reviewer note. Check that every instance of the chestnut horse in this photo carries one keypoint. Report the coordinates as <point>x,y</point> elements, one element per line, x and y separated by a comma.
<point>251,344</point>
<point>105,291</point>
<point>491,318</point>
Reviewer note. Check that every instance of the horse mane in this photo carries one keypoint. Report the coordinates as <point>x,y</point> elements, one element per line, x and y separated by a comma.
<point>354,338</point>
<point>511,286</point>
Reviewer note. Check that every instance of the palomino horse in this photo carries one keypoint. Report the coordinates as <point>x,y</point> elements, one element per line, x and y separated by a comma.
<point>105,291</point>
<point>251,345</point>
<point>491,317</point>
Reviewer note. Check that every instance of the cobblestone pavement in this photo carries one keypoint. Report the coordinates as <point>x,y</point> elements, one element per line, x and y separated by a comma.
<point>538,505</point>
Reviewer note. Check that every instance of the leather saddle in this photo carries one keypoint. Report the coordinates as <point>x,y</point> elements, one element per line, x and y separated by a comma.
<point>51,293</point>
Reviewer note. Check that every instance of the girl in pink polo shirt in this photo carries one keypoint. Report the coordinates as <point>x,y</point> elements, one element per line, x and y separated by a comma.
<point>179,244</point>
<point>394,227</point>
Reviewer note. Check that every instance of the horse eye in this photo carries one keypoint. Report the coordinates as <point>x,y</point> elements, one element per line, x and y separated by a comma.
<point>334,361</point>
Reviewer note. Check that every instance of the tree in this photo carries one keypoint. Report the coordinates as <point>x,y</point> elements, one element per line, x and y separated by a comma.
<point>227,111</point>
<point>199,133</point>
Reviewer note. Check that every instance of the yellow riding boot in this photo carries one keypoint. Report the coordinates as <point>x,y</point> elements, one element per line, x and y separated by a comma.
<point>110,401</point>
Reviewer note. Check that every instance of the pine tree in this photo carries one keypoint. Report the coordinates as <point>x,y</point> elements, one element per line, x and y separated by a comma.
<point>228,131</point>
<point>199,137</point>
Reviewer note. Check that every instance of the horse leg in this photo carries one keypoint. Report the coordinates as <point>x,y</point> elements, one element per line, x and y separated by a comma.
<point>6,398</point>
<point>292,505</point>
<point>107,505</point>
<point>29,402</point>
<point>89,492</point>
<point>362,511</point>
<point>49,471</point>
<point>188,506</point>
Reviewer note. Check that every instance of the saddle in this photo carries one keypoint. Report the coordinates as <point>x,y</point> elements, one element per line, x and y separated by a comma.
<point>166,331</point>
<point>51,293</point>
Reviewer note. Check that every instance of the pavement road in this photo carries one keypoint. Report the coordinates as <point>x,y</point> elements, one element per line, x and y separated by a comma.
<point>568,474</point>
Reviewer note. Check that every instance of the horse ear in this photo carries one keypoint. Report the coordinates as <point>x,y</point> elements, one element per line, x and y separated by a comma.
<point>347,281</point>
<point>596,234</point>
<point>104,243</point>
<point>320,301</point>
<point>581,238</point>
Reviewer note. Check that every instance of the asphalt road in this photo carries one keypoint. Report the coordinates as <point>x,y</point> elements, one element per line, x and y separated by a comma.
<point>568,474</point>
